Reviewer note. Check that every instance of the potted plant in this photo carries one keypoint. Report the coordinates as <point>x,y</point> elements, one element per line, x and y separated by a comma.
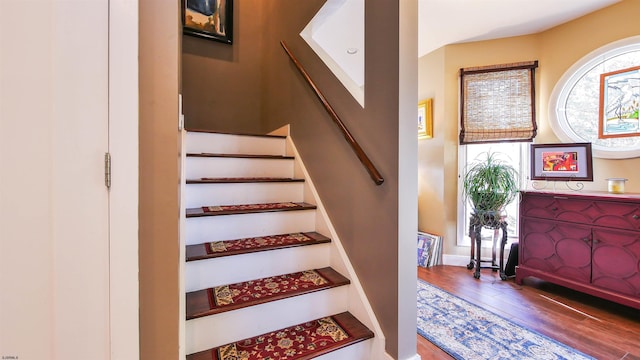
<point>490,183</point>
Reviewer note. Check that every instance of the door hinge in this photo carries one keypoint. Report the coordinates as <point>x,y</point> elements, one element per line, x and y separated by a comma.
<point>107,170</point>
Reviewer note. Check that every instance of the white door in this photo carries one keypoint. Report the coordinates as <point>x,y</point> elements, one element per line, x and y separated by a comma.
<point>59,272</point>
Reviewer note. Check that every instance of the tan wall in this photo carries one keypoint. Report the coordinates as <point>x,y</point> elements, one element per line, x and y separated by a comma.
<point>437,206</point>
<point>556,49</point>
<point>365,215</point>
<point>221,82</point>
<point>159,170</point>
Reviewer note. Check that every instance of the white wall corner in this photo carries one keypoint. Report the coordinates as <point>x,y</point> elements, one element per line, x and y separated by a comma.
<point>345,69</point>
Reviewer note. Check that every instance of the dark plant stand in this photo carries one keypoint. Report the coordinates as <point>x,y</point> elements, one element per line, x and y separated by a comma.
<point>494,221</point>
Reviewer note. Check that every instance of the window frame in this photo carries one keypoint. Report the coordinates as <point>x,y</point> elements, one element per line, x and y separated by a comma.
<point>463,210</point>
<point>562,90</point>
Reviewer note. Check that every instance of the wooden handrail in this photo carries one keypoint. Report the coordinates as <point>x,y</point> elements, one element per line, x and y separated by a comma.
<point>364,159</point>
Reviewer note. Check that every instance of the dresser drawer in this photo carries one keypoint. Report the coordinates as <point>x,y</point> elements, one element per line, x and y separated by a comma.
<point>557,208</point>
<point>619,215</point>
<point>613,214</point>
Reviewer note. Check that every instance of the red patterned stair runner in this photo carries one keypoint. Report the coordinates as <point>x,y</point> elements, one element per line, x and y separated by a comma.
<point>247,208</point>
<point>233,296</point>
<point>270,206</point>
<point>253,244</point>
<point>299,342</point>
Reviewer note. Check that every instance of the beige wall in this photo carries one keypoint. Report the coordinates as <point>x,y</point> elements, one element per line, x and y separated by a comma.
<point>556,49</point>
<point>159,169</point>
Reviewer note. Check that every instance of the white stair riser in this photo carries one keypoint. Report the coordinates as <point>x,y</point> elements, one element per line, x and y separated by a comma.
<point>207,332</point>
<point>225,270</point>
<point>230,227</point>
<point>243,193</point>
<point>201,167</point>
<point>359,351</point>
<point>197,143</point>
<point>215,330</point>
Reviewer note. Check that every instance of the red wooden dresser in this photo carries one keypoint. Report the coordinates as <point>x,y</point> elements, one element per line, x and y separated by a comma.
<point>587,241</point>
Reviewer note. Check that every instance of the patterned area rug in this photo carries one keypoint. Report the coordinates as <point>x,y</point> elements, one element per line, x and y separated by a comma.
<point>269,206</point>
<point>257,242</point>
<point>466,331</point>
<point>265,288</point>
<point>287,344</point>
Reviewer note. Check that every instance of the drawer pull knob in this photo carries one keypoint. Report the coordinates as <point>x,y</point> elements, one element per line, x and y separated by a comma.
<point>585,240</point>
<point>635,217</point>
<point>554,208</point>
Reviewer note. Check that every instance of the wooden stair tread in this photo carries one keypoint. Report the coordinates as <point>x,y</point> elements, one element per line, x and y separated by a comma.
<point>235,133</point>
<point>249,245</point>
<point>241,156</point>
<point>247,209</point>
<point>227,180</point>
<point>350,324</point>
<point>203,302</point>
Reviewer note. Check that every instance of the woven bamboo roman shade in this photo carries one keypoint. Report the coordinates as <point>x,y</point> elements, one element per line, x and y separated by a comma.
<point>498,103</point>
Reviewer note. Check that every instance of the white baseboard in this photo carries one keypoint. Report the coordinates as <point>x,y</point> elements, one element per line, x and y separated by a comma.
<point>463,260</point>
<point>414,357</point>
<point>455,260</point>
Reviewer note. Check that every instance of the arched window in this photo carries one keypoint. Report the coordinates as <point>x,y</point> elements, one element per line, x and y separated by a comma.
<point>575,100</point>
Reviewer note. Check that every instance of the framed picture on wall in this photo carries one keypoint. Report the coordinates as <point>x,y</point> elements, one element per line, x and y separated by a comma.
<point>209,19</point>
<point>562,162</point>
<point>425,119</point>
<point>619,103</point>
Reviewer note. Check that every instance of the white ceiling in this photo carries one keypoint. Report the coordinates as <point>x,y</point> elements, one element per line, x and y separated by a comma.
<point>336,33</point>
<point>443,22</point>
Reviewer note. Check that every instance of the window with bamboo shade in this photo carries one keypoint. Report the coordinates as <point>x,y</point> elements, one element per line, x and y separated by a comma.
<point>498,103</point>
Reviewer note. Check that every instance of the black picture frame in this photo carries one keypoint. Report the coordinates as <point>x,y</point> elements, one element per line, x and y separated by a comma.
<point>218,15</point>
<point>562,162</point>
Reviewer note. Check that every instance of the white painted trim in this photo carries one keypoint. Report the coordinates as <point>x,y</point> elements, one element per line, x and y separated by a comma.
<point>182,306</point>
<point>455,260</point>
<point>359,304</point>
<point>414,357</point>
<point>123,200</point>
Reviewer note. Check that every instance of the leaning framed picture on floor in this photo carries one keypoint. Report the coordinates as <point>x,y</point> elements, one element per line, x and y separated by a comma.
<point>429,249</point>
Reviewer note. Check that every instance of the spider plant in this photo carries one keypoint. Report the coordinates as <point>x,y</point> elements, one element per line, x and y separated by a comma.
<point>490,183</point>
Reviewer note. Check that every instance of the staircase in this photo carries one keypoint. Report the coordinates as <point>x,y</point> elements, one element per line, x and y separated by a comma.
<point>259,277</point>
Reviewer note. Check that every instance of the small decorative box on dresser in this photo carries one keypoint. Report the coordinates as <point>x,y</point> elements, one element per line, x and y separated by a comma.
<point>587,241</point>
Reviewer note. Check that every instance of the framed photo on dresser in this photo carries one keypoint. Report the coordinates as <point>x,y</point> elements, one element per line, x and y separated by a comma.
<point>562,162</point>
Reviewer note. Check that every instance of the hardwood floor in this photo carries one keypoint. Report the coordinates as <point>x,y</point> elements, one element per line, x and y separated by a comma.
<point>596,327</point>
